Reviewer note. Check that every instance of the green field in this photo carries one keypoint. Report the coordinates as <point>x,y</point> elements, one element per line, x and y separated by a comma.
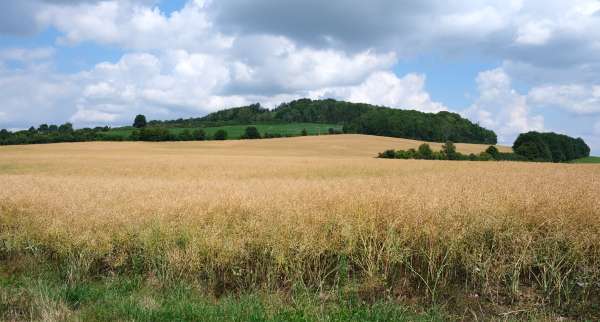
<point>236,131</point>
<point>588,160</point>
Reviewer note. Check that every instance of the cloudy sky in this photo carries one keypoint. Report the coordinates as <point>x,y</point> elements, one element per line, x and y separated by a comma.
<point>511,65</point>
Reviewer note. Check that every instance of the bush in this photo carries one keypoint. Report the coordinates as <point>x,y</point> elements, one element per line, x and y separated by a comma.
<point>425,152</point>
<point>304,132</point>
<point>493,151</point>
<point>220,135</point>
<point>388,154</point>
<point>449,149</point>
<point>199,135</point>
<point>155,134</point>
<point>251,133</point>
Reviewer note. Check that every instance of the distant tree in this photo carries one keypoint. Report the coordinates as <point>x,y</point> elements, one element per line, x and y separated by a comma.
<point>155,134</point>
<point>140,121</point>
<point>185,135</point>
<point>251,132</point>
<point>43,128</point>
<point>484,156</point>
<point>220,135</point>
<point>425,152</point>
<point>304,132</point>
<point>493,151</point>
<point>4,134</point>
<point>449,151</point>
<point>199,135</point>
<point>65,128</point>
<point>52,128</point>
<point>32,130</point>
<point>388,154</point>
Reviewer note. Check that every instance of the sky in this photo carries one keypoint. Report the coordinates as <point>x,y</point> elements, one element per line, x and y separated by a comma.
<point>510,65</point>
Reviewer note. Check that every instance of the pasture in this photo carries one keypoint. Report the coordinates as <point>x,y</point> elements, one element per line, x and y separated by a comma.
<point>293,228</point>
<point>236,131</point>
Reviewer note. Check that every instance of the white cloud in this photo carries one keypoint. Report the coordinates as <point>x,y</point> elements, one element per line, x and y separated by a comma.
<point>26,55</point>
<point>575,98</point>
<point>501,108</point>
<point>534,33</point>
<point>385,88</point>
<point>132,25</point>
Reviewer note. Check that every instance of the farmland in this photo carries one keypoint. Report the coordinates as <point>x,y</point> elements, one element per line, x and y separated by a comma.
<point>292,229</point>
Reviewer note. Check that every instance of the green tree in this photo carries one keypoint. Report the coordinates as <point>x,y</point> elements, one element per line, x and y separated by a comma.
<point>66,128</point>
<point>220,135</point>
<point>425,152</point>
<point>493,151</point>
<point>199,135</point>
<point>251,132</point>
<point>140,121</point>
<point>43,128</point>
<point>449,151</point>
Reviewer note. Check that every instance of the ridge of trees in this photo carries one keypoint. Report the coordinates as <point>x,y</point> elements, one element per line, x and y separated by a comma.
<point>355,117</point>
<point>531,146</point>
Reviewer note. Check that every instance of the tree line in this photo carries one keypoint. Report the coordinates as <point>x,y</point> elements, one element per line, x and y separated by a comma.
<point>355,117</point>
<point>448,152</point>
<point>531,146</point>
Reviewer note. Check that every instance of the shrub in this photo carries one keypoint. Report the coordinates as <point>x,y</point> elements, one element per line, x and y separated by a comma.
<point>199,135</point>
<point>449,149</point>
<point>493,151</point>
<point>304,132</point>
<point>425,152</point>
<point>251,133</point>
<point>185,135</point>
<point>388,154</point>
<point>220,135</point>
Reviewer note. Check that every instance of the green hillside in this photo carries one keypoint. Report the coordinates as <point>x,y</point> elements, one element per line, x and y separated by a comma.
<point>354,117</point>
<point>236,131</point>
<point>587,160</point>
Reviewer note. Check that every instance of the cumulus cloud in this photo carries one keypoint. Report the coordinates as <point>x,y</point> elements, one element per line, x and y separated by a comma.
<point>501,108</point>
<point>26,55</point>
<point>575,98</point>
<point>387,89</point>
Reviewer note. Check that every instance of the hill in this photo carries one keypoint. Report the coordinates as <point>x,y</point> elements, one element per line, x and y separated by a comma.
<point>355,118</point>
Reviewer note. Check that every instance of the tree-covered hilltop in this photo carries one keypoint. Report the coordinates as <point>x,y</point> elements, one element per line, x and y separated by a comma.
<point>356,118</point>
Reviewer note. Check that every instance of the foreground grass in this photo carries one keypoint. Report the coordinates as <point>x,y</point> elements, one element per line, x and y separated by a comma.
<point>42,293</point>
<point>588,160</point>
<point>311,215</point>
<point>236,131</point>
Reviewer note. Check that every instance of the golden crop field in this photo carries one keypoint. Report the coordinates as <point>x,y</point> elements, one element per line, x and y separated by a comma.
<point>316,211</point>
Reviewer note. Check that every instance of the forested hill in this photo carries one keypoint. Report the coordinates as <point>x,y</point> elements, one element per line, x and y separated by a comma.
<point>356,118</point>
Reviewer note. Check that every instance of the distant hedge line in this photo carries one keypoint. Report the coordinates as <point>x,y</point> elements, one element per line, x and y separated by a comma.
<point>448,152</point>
<point>531,146</point>
<point>66,133</point>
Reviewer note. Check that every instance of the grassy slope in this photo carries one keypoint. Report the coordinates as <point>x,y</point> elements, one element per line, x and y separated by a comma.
<point>39,293</point>
<point>236,131</point>
<point>588,160</point>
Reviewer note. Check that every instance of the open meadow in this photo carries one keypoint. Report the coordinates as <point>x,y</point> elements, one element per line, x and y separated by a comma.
<point>316,215</point>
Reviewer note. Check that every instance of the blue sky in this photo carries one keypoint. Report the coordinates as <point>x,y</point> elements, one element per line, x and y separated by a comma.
<point>512,66</point>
